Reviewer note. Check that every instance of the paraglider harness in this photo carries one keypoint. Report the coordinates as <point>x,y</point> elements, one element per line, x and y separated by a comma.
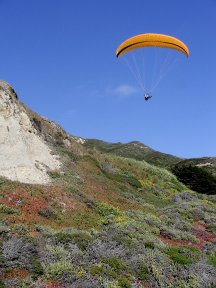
<point>147,96</point>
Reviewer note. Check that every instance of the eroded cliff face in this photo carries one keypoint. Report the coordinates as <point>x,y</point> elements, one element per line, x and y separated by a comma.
<point>24,155</point>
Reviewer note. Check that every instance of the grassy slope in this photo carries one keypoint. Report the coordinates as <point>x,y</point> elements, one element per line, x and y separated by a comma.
<point>107,221</point>
<point>134,150</point>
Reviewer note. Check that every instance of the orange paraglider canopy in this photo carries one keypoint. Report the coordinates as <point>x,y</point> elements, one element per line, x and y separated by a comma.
<point>151,39</point>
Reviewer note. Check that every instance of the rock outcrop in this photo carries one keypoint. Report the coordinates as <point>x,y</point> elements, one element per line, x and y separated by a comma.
<point>24,155</point>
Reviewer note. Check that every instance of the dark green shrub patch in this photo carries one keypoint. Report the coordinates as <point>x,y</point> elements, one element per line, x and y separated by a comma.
<point>48,213</point>
<point>124,241</point>
<point>211,228</point>
<point>116,264</point>
<point>212,260</point>
<point>149,244</point>
<point>183,255</point>
<point>7,210</point>
<point>98,271</point>
<point>142,272</point>
<point>124,282</point>
<point>64,237</point>
<point>82,240</point>
<point>196,178</point>
<point>37,268</point>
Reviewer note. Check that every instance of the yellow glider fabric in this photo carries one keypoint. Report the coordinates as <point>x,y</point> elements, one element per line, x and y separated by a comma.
<point>151,39</point>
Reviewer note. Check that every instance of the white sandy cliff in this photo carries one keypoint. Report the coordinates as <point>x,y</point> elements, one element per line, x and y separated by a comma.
<point>24,156</point>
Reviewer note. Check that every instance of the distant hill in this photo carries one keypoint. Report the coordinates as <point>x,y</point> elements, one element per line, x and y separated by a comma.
<point>139,151</point>
<point>135,150</point>
<point>206,163</point>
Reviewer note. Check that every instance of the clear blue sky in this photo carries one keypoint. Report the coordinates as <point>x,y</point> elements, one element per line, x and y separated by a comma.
<point>60,58</point>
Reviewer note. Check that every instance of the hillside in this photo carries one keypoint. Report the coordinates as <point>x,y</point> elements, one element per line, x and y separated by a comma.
<point>104,219</point>
<point>206,163</point>
<point>135,150</point>
<point>139,151</point>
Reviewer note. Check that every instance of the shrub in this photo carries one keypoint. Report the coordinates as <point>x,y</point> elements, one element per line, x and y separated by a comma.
<point>58,251</point>
<point>107,210</point>
<point>98,271</point>
<point>7,210</point>
<point>116,264</point>
<point>124,282</point>
<point>211,227</point>
<point>196,178</point>
<point>54,174</point>
<point>57,270</point>
<point>124,241</point>
<point>82,239</point>
<point>212,260</point>
<point>21,229</point>
<point>142,272</point>
<point>149,245</point>
<point>18,252</point>
<point>183,255</point>
<point>48,213</point>
<point>4,228</point>
<point>37,268</point>
<point>64,237</point>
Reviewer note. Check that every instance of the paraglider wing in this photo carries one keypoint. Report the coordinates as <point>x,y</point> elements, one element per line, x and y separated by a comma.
<point>151,39</point>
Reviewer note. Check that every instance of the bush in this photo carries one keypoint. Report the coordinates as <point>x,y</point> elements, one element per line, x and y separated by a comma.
<point>98,271</point>
<point>2,285</point>
<point>64,237</point>
<point>21,229</point>
<point>106,210</point>
<point>37,268</point>
<point>142,272</point>
<point>80,238</point>
<point>48,213</point>
<point>54,174</point>
<point>7,210</point>
<point>183,255</point>
<point>196,178</point>
<point>212,260</point>
<point>149,244</point>
<point>18,252</point>
<point>116,264</point>
<point>57,270</point>
<point>124,282</point>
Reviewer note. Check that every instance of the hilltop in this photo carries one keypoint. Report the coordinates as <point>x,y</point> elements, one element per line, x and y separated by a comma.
<point>135,150</point>
<point>105,215</point>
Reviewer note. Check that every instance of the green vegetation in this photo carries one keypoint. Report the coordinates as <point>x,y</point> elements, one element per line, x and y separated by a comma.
<point>125,179</point>
<point>116,264</point>
<point>183,255</point>
<point>7,210</point>
<point>134,150</point>
<point>124,282</point>
<point>212,260</point>
<point>142,272</point>
<point>57,270</point>
<point>196,178</point>
<point>37,268</point>
<point>107,221</point>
